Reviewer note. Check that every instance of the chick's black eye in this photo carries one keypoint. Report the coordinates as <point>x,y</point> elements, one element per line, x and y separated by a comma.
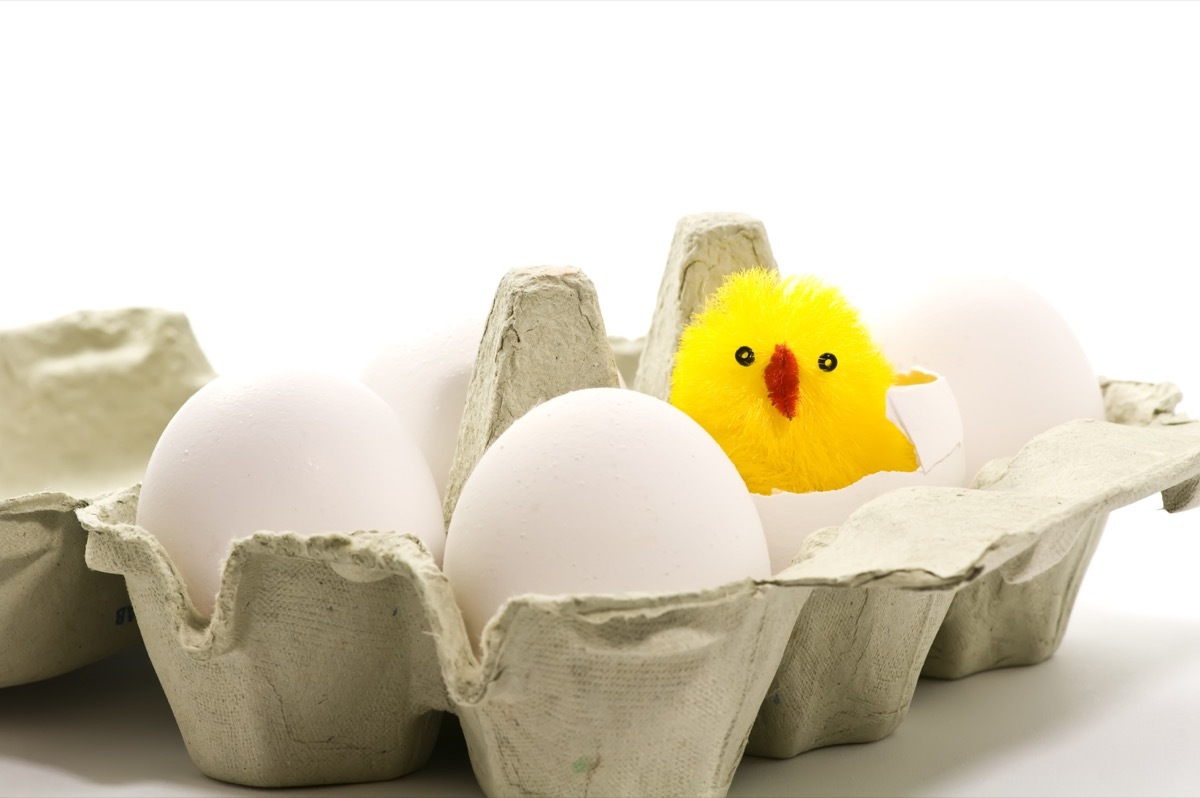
<point>744,355</point>
<point>827,362</point>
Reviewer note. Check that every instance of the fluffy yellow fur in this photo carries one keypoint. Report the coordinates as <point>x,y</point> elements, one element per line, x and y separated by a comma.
<point>839,432</point>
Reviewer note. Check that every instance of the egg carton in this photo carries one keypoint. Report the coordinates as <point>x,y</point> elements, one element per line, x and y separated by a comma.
<point>83,400</point>
<point>331,658</point>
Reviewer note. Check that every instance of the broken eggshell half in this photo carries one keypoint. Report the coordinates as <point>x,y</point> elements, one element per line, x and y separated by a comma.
<point>923,407</point>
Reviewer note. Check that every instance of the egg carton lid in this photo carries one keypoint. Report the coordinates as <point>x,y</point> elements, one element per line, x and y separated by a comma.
<point>83,399</point>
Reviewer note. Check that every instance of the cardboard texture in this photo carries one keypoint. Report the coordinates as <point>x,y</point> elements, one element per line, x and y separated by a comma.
<point>624,696</point>
<point>999,624</point>
<point>544,337</point>
<point>55,614</point>
<point>849,671</point>
<point>1018,614</point>
<point>317,666</point>
<point>82,402</point>
<point>706,249</point>
<point>84,398</point>
<point>329,658</point>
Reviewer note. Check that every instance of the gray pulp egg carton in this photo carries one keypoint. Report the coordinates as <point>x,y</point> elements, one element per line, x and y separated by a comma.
<point>330,658</point>
<point>83,400</point>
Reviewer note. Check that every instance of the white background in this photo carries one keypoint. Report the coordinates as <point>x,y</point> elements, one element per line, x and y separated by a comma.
<point>309,181</point>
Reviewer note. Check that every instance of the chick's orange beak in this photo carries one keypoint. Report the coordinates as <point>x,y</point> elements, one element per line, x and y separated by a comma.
<point>782,376</point>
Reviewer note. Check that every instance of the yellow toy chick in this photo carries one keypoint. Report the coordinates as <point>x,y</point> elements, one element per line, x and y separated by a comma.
<point>784,375</point>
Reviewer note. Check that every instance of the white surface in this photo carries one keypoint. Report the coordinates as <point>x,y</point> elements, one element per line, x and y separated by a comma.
<point>310,181</point>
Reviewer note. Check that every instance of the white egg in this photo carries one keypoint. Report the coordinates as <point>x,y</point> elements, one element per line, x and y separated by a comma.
<point>924,409</point>
<point>1014,364</point>
<point>286,451</point>
<point>600,491</point>
<point>425,381</point>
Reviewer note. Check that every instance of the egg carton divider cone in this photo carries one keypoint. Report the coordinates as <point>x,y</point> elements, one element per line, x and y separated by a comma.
<point>544,337</point>
<point>82,401</point>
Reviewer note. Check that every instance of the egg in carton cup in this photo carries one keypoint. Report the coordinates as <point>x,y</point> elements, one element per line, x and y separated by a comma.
<point>83,399</point>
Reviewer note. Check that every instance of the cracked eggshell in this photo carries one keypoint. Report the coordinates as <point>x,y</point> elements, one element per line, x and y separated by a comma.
<point>287,451</point>
<point>600,491</point>
<point>924,408</point>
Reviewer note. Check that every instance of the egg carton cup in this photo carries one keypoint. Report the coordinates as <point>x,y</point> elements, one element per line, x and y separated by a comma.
<point>55,614</point>
<point>316,667</point>
<point>83,399</point>
<point>1018,614</point>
